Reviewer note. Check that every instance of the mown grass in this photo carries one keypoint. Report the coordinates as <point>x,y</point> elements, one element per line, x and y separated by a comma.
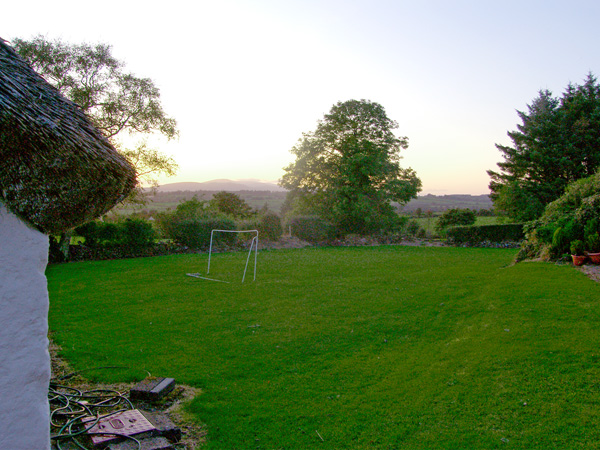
<point>350,348</point>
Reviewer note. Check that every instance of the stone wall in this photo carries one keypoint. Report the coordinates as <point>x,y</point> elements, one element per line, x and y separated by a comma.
<point>24,358</point>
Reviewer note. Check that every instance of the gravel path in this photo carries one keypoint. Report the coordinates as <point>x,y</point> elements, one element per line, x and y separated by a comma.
<point>592,272</point>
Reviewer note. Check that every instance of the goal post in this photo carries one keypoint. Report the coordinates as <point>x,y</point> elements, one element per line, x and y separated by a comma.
<point>253,244</point>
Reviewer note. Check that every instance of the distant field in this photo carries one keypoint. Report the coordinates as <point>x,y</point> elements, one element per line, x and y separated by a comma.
<point>440,203</point>
<point>164,201</point>
<point>169,200</point>
<point>384,347</point>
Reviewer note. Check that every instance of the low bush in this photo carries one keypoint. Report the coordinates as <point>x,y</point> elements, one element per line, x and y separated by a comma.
<point>592,226</point>
<point>311,229</point>
<point>414,229</point>
<point>269,226</point>
<point>593,243</point>
<point>136,233</point>
<point>192,222</point>
<point>474,235</point>
<point>572,217</point>
<point>89,232</point>
<point>455,217</point>
<point>195,233</point>
<point>577,247</point>
<point>560,242</point>
<point>85,253</point>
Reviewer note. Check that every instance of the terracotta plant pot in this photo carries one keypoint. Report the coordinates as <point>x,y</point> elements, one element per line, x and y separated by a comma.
<point>578,260</point>
<point>594,257</point>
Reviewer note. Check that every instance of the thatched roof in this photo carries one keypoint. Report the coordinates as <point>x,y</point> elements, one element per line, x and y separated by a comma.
<point>57,170</point>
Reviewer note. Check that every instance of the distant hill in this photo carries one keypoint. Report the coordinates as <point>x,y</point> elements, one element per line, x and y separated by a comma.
<point>222,185</point>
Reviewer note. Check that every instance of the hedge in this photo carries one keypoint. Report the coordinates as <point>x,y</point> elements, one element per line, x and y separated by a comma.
<point>269,226</point>
<point>455,217</point>
<point>135,233</point>
<point>474,235</point>
<point>195,233</point>
<point>311,229</point>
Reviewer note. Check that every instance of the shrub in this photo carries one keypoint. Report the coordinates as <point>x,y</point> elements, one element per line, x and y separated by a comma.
<point>195,233</point>
<point>136,233</point>
<point>400,223</point>
<point>311,228</point>
<point>412,228</point>
<point>573,230</point>
<point>191,209</point>
<point>577,247</point>
<point>559,242</point>
<point>269,226</point>
<point>108,232</point>
<point>187,232</point>
<point>130,232</point>
<point>474,235</point>
<point>219,223</point>
<point>573,216</point>
<point>189,222</point>
<point>593,243</point>
<point>545,233</point>
<point>591,227</point>
<point>454,217</point>
<point>393,224</point>
<point>89,232</point>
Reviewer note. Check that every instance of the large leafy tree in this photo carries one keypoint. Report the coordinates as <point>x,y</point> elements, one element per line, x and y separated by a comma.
<point>120,104</point>
<point>348,170</point>
<point>557,142</point>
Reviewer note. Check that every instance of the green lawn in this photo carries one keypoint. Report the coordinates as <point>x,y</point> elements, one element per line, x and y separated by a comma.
<point>350,348</point>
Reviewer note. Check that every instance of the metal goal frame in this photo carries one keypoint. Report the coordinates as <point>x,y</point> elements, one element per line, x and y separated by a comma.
<point>253,244</point>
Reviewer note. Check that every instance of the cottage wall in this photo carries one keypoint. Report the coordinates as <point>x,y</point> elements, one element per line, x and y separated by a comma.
<point>24,358</point>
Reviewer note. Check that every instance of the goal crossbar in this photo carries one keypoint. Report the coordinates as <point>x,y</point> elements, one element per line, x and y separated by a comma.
<point>253,244</point>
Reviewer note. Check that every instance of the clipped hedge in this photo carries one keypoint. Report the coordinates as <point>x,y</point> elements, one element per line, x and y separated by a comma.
<point>476,235</point>
<point>311,229</point>
<point>85,253</point>
<point>270,227</point>
<point>134,233</point>
<point>195,233</point>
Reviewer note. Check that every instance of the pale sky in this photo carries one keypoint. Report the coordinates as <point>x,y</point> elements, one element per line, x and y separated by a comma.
<point>245,78</point>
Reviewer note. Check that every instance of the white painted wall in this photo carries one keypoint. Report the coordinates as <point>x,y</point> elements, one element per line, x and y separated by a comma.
<point>24,358</point>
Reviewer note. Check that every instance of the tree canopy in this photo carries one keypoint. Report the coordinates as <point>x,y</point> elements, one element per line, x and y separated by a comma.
<point>557,143</point>
<point>117,102</point>
<point>348,170</point>
<point>230,204</point>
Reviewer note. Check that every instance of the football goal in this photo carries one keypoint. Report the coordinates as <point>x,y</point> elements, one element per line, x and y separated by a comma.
<point>253,245</point>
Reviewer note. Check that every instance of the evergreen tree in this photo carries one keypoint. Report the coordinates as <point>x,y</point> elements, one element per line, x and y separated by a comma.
<point>558,142</point>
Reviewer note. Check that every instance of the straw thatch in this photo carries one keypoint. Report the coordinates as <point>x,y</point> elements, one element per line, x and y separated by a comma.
<point>57,170</point>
